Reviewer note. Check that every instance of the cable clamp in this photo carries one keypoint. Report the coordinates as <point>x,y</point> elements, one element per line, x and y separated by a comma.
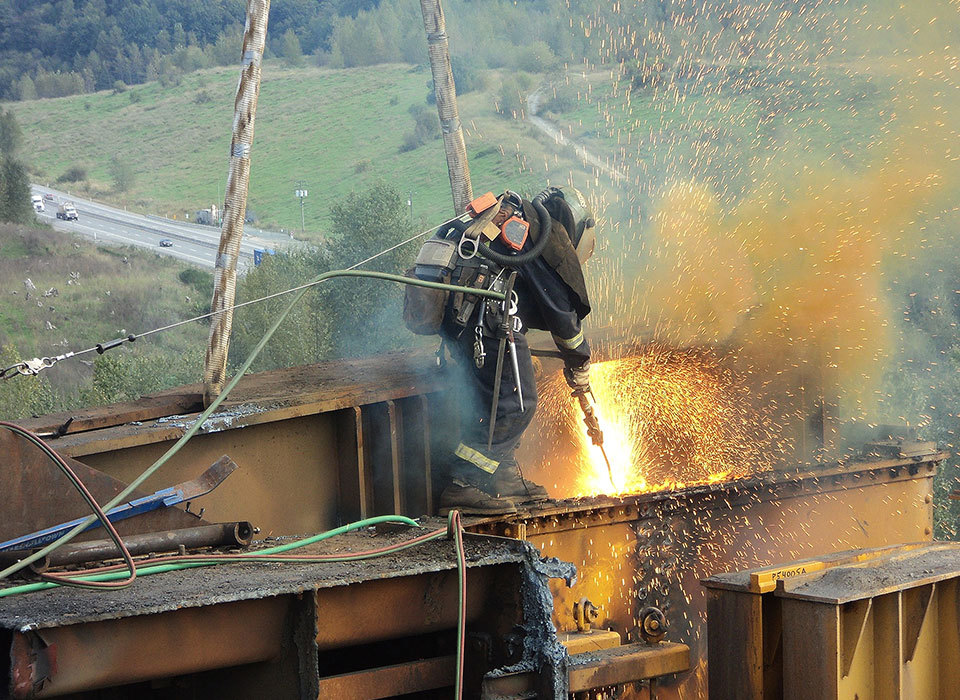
<point>436,37</point>
<point>251,57</point>
<point>33,367</point>
<point>450,126</point>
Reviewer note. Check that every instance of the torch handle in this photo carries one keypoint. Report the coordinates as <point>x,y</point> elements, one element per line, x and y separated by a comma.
<point>590,419</point>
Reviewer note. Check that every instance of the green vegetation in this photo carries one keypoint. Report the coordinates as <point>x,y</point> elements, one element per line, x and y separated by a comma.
<point>61,294</point>
<point>14,186</point>
<point>343,318</point>
<point>176,145</point>
<point>55,49</point>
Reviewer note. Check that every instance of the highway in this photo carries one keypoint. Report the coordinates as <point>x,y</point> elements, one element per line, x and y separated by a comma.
<point>192,243</point>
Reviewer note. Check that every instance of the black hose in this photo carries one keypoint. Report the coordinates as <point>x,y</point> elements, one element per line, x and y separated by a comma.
<point>452,229</point>
<point>546,226</point>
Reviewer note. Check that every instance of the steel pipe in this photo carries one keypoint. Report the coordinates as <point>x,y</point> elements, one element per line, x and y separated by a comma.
<point>234,534</point>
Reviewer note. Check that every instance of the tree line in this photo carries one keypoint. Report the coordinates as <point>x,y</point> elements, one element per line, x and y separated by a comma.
<point>52,49</point>
<point>64,47</point>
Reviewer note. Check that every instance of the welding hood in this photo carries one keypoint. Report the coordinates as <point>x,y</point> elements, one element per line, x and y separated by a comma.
<point>577,219</point>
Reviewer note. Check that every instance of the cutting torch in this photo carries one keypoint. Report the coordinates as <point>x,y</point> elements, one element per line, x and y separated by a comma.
<point>593,428</point>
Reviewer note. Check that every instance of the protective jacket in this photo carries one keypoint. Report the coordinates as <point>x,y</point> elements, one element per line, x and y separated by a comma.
<point>561,255</point>
<point>550,295</point>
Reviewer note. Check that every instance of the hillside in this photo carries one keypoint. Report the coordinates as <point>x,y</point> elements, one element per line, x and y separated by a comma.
<point>337,130</point>
<point>63,294</point>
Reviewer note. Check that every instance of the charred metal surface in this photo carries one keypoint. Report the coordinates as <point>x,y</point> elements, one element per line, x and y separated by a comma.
<point>233,582</point>
<point>69,640</point>
<point>616,666</point>
<point>145,408</point>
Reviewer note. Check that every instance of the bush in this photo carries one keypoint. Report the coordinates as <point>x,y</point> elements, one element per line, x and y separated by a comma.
<point>75,174</point>
<point>119,86</point>
<point>122,173</point>
<point>535,58</point>
<point>135,97</point>
<point>410,143</point>
<point>426,128</point>
<point>559,104</point>
<point>200,280</point>
<point>465,76</point>
<point>202,97</point>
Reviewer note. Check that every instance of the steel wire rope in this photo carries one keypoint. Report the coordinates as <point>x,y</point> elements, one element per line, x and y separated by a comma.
<point>192,430</point>
<point>61,463</point>
<point>10,371</point>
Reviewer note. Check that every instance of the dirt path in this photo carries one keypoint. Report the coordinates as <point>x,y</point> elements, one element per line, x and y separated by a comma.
<point>556,133</point>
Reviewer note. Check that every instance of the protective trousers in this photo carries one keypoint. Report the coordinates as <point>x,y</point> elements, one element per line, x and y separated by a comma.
<point>477,464</point>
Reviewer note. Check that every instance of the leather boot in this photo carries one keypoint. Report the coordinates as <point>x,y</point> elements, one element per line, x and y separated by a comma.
<point>509,483</point>
<point>470,500</point>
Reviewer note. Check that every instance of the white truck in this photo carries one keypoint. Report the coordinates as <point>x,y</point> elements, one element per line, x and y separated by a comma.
<point>37,202</point>
<point>67,212</point>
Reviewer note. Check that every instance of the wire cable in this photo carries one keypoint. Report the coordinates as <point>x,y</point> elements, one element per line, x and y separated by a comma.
<point>61,463</point>
<point>27,367</point>
<point>193,429</point>
<point>111,573</point>
<point>455,527</point>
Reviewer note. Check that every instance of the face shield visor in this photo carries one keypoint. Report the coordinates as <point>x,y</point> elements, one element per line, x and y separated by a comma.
<point>584,235</point>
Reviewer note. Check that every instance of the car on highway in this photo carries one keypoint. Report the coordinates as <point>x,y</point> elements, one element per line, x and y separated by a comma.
<point>166,243</point>
<point>49,197</point>
<point>67,212</point>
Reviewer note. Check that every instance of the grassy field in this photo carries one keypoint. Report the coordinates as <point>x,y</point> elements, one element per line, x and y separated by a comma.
<point>338,131</point>
<point>79,295</point>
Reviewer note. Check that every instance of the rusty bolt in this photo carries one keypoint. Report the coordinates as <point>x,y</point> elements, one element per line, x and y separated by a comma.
<point>653,625</point>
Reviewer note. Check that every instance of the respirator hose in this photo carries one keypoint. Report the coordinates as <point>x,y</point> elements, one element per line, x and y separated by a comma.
<point>546,226</point>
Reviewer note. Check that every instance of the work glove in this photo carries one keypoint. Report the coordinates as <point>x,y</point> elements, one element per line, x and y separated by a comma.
<point>578,378</point>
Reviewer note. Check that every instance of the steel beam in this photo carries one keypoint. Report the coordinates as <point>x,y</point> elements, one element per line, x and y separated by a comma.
<point>75,658</point>
<point>630,663</point>
<point>390,681</point>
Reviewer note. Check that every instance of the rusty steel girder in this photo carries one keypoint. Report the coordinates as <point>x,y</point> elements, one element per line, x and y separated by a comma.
<point>653,549</point>
<point>56,661</point>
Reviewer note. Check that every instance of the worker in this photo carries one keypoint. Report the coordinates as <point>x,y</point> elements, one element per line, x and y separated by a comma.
<point>487,338</point>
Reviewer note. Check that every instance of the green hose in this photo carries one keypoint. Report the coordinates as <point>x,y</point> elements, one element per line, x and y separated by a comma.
<point>161,568</point>
<point>192,430</point>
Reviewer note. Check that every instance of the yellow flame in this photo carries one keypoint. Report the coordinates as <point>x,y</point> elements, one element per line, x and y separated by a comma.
<point>670,418</point>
